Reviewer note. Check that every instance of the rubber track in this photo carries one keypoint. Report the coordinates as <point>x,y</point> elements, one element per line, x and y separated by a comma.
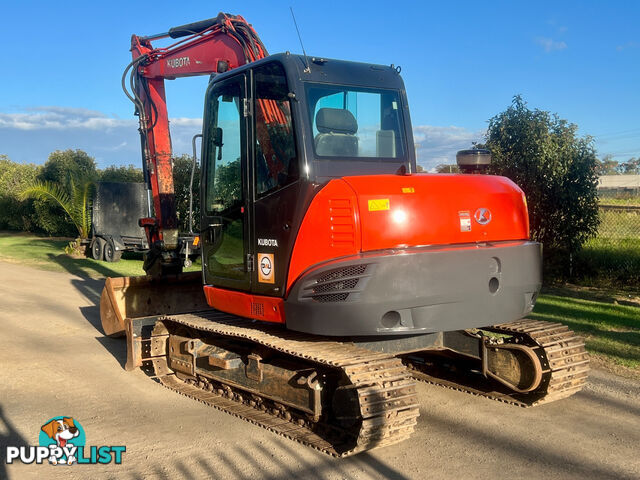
<point>565,365</point>
<point>387,393</point>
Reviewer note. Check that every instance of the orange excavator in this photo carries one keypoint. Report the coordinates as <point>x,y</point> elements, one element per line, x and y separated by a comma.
<point>333,274</point>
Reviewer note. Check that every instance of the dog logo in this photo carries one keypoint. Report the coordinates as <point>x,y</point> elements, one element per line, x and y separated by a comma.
<point>482,216</point>
<point>65,432</point>
<point>62,442</point>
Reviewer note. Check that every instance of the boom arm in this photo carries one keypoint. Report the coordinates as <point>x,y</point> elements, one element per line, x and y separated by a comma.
<point>211,46</point>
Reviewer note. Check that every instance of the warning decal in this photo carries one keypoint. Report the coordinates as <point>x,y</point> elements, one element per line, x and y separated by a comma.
<point>465,221</point>
<point>265,268</point>
<point>378,204</point>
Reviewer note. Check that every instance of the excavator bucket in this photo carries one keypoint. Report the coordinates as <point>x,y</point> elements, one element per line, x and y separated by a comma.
<point>127,298</point>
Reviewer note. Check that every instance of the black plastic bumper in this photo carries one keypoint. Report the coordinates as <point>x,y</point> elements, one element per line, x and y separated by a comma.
<point>418,290</point>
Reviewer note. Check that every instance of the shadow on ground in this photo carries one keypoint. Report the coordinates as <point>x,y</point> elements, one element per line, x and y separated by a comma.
<point>91,289</point>
<point>83,269</point>
<point>284,464</point>
<point>9,436</point>
<point>585,293</point>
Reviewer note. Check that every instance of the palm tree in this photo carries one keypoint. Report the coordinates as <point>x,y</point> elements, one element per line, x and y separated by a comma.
<point>77,204</point>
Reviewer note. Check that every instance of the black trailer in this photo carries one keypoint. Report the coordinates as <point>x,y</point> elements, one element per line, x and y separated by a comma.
<point>117,207</point>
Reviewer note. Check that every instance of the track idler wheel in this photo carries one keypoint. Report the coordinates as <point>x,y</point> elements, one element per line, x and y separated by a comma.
<point>518,367</point>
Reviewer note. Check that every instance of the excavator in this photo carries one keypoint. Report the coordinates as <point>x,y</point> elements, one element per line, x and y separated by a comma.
<point>334,275</point>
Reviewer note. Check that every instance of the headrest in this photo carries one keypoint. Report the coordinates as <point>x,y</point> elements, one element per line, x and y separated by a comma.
<point>336,120</point>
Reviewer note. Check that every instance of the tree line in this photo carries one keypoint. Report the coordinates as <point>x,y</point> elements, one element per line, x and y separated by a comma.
<point>603,166</point>
<point>66,171</point>
<point>542,153</point>
<point>608,166</point>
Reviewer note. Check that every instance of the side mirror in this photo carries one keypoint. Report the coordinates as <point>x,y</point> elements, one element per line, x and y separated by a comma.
<point>217,136</point>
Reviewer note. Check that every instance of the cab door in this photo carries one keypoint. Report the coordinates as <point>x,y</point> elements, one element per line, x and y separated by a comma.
<point>225,216</point>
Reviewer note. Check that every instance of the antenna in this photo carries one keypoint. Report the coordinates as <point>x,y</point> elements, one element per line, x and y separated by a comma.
<point>308,69</point>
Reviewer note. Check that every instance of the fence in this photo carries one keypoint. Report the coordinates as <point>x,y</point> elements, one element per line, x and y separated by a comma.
<point>613,256</point>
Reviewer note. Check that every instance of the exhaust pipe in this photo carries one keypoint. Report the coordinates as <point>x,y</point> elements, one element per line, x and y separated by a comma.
<point>476,160</point>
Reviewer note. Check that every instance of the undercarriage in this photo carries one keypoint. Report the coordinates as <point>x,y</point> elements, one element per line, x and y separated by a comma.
<point>347,395</point>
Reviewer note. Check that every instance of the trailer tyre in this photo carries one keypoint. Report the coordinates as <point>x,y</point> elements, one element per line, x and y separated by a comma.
<point>110,252</point>
<point>97,248</point>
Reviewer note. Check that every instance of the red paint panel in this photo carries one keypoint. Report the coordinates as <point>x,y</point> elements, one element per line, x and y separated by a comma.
<point>427,209</point>
<point>198,57</point>
<point>268,309</point>
<point>330,229</point>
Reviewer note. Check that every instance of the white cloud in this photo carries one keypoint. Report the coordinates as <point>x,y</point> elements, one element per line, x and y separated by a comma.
<point>186,122</point>
<point>31,135</point>
<point>437,145</point>
<point>550,45</point>
<point>627,46</point>
<point>60,118</point>
<point>64,111</point>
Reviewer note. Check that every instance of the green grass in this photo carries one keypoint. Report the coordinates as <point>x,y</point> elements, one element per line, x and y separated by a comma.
<point>617,224</point>
<point>613,256</point>
<point>606,262</point>
<point>620,201</point>
<point>48,253</point>
<point>611,331</point>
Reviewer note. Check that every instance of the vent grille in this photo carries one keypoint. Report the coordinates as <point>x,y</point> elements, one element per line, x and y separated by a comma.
<point>351,271</point>
<point>257,309</point>
<point>332,297</point>
<point>342,221</point>
<point>339,285</point>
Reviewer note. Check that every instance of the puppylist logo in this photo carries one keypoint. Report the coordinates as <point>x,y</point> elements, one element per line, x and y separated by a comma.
<point>62,442</point>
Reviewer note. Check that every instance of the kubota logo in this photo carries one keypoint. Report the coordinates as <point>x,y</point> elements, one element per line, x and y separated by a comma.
<point>178,62</point>
<point>482,216</point>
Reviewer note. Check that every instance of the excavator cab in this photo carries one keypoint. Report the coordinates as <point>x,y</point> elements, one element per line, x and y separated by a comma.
<point>274,131</point>
<point>310,210</point>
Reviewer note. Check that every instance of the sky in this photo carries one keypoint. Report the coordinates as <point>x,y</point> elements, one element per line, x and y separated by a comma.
<point>462,63</point>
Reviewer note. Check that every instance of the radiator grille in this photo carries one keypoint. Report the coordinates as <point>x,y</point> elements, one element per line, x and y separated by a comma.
<point>337,285</point>
<point>351,271</point>
<point>332,297</point>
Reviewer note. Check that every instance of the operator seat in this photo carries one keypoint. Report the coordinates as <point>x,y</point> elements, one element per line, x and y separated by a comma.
<point>337,129</point>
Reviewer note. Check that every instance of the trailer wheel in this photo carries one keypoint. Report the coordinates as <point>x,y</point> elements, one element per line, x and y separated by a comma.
<point>110,252</point>
<point>97,248</point>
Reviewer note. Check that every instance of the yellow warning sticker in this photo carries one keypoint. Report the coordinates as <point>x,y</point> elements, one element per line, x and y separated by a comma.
<point>377,204</point>
<point>408,190</point>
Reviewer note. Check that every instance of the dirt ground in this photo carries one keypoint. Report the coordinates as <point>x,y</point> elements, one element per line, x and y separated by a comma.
<point>55,362</point>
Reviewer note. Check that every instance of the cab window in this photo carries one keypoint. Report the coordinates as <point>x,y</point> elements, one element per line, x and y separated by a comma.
<point>276,162</point>
<point>355,122</point>
<point>224,182</point>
